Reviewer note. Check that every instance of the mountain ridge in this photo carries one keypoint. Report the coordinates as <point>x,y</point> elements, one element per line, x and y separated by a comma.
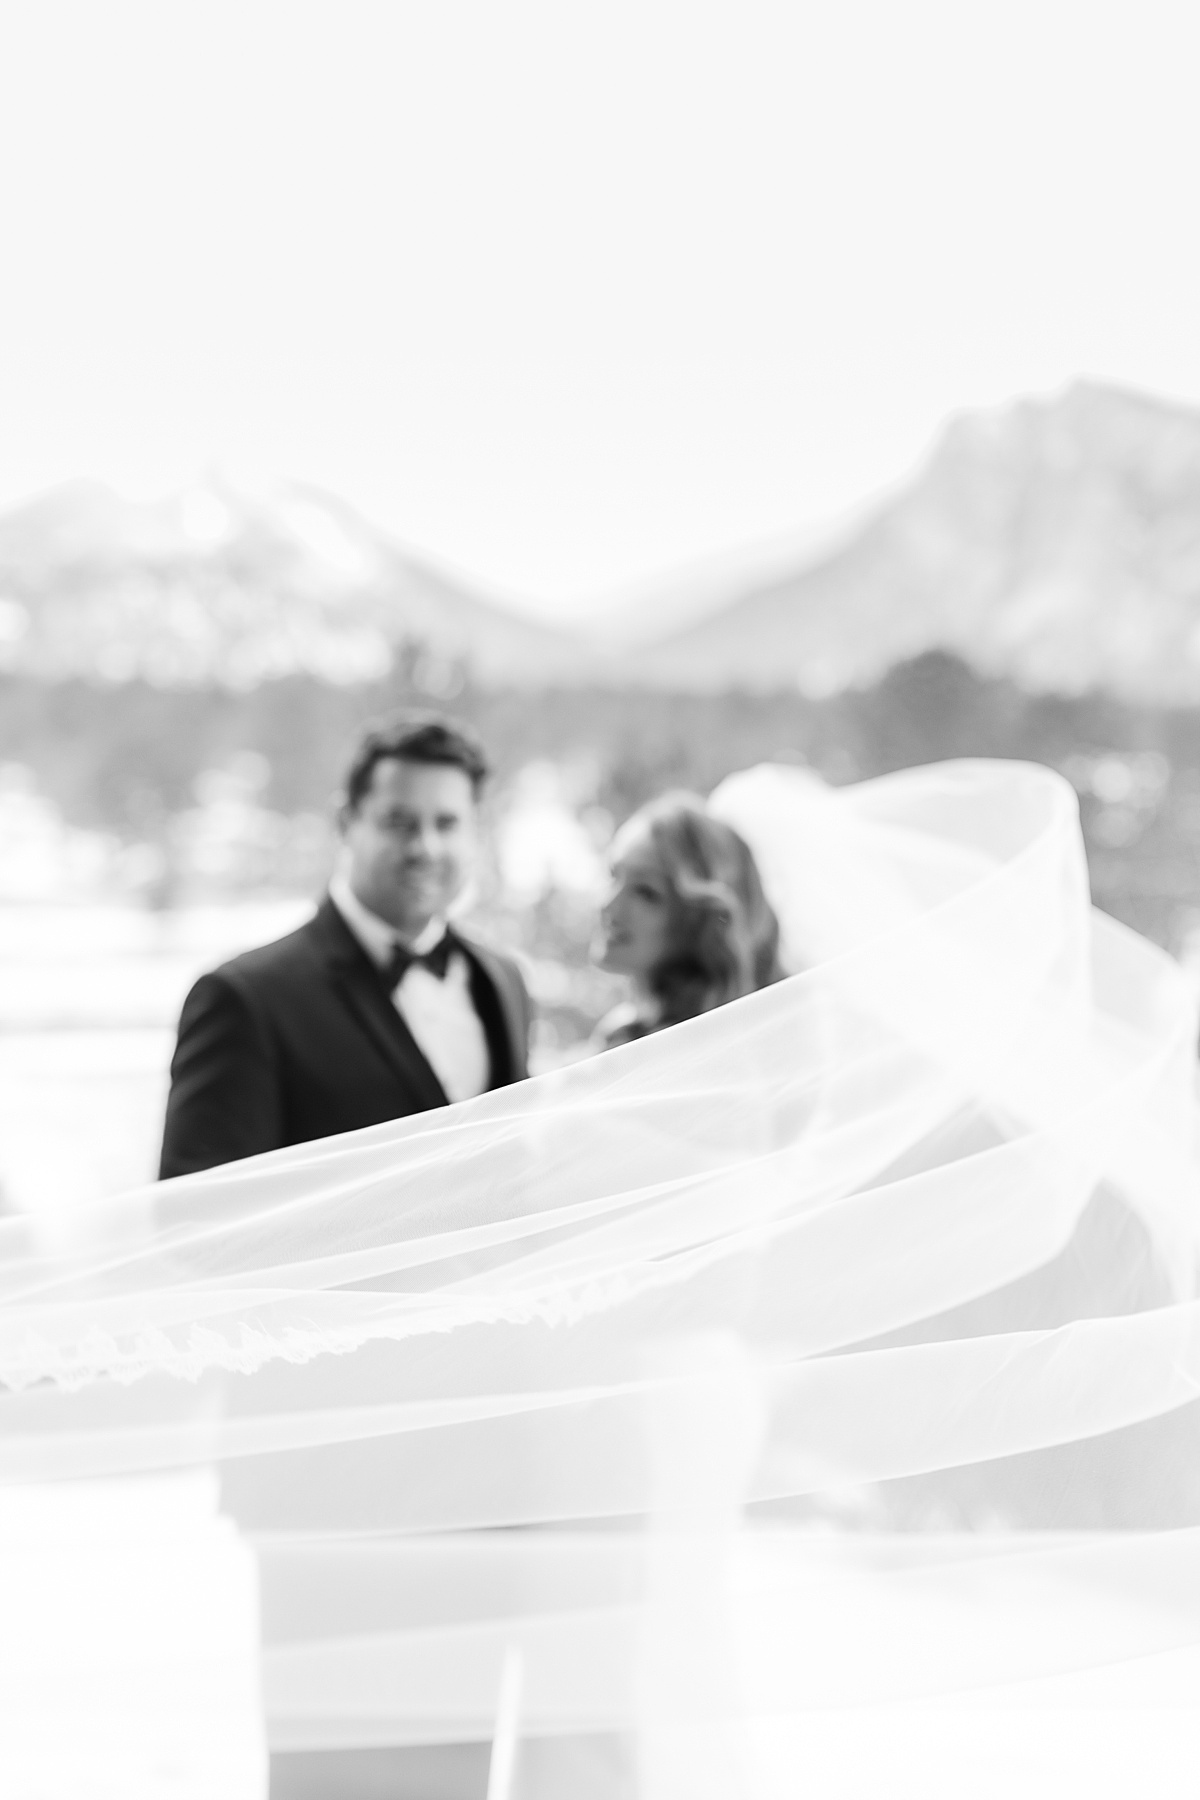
<point>219,584</point>
<point>1055,541</point>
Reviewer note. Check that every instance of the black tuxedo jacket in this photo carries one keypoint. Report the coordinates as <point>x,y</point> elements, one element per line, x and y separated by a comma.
<point>299,1040</point>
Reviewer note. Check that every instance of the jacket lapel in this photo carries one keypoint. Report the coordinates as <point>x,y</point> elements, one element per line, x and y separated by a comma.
<point>357,982</point>
<point>511,1026</point>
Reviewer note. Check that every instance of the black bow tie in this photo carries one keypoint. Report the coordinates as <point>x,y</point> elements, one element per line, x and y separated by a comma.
<point>402,960</point>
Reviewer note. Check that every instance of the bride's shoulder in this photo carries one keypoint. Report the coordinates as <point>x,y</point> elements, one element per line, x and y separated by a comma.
<point>621,1026</point>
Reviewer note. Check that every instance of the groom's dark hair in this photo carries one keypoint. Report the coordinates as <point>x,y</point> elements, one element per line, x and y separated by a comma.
<point>418,738</point>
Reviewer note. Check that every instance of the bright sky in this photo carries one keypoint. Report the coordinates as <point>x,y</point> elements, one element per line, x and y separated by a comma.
<point>571,295</point>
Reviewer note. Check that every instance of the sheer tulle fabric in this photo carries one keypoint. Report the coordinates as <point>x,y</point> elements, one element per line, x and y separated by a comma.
<point>843,1341</point>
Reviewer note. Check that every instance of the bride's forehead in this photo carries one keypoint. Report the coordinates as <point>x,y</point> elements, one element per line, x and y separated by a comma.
<point>633,847</point>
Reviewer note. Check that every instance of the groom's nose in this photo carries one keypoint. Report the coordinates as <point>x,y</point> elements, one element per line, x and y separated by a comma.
<point>423,841</point>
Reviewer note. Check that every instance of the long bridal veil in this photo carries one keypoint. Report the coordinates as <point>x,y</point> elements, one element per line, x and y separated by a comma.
<point>829,1357</point>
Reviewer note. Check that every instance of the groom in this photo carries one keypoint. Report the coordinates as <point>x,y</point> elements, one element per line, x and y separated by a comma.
<point>375,1008</point>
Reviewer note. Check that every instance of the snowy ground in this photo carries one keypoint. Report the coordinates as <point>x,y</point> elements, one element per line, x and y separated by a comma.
<point>89,998</point>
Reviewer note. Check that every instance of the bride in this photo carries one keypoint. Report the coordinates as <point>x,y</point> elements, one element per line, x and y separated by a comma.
<point>835,1354</point>
<point>687,920</point>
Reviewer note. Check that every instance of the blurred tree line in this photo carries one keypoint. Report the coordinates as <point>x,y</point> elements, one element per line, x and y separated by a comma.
<point>126,758</point>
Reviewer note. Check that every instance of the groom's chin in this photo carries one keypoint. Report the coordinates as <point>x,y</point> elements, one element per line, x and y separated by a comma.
<point>414,907</point>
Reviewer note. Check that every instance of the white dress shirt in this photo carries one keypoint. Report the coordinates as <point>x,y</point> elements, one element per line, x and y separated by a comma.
<point>440,1014</point>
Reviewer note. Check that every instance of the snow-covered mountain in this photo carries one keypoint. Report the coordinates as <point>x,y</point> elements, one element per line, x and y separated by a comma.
<point>216,584</point>
<point>1054,541</point>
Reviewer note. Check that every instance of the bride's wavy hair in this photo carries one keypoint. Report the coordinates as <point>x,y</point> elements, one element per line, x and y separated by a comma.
<point>722,933</point>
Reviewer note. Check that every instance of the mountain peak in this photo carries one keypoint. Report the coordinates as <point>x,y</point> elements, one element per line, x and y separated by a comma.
<point>229,583</point>
<point>1055,540</point>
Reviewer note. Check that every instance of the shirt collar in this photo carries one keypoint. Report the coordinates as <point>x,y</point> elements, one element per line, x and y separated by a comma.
<point>376,936</point>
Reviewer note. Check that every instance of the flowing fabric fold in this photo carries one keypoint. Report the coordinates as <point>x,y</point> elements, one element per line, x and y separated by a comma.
<point>838,1348</point>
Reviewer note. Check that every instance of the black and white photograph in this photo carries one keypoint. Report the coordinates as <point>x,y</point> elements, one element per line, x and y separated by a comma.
<point>599,900</point>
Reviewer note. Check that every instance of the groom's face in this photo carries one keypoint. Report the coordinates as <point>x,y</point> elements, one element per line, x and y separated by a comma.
<point>410,842</point>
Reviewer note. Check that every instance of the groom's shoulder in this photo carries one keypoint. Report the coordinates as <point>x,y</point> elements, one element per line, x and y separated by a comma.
<point>280,959</point>
<point>495,957</point>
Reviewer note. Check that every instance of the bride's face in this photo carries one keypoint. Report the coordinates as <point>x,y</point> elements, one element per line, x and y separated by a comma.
<point>635,919</point>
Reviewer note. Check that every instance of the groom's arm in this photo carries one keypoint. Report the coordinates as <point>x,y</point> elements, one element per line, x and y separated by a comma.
<point>518,1010</point>
<point>225,1100</point>
<point>526,1016</point>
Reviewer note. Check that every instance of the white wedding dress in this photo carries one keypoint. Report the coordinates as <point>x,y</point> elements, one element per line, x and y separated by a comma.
<point>812,1383</point>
